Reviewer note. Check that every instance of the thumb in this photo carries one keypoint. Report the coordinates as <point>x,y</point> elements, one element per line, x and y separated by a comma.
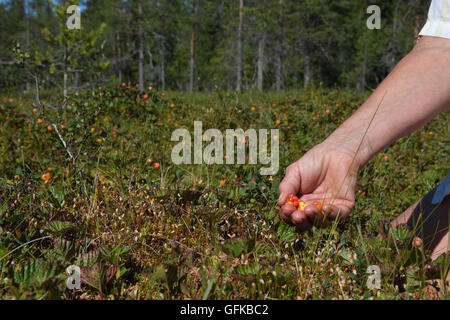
<point>290,183</point>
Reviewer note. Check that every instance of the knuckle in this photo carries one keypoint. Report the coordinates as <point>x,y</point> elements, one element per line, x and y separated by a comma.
<point>290,168</point>
<point>300,220</point>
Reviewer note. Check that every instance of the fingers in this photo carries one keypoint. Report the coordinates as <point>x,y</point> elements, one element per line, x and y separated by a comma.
<point>313,216</point>
<point>291,215</point>
<point>290,183</point>
<point>300,220</point>
<point>337,211</point>
<point>285,213</point>
<point>316,217</point>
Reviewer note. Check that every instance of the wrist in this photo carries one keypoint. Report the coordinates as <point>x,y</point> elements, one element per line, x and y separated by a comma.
<point>354,144</point>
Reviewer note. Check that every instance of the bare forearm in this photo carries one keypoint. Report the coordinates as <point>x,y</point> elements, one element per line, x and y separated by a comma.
<point>414,92</point>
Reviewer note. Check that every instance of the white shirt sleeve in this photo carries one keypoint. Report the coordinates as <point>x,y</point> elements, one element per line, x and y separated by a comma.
<point>438,21</point>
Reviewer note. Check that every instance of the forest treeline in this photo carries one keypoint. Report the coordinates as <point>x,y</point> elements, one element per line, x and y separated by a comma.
<point>204,45</point>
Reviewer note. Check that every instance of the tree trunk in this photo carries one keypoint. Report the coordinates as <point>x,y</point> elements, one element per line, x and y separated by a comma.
<point>192,52</point>
<point>163,76</point>
<point>278,49</point>
<point>239,48</point>
<point>27,13</point>
<point>65,71</point>
<point>362,81</point>
<point>162,64</point>
<point>141,50</point>
<point>417,19</point>
<point>307,72</point>
<point>307,69</point>
<point>77,79</point>
<point>119,53</point>
<point>392,56</point>
<point>260,76</point>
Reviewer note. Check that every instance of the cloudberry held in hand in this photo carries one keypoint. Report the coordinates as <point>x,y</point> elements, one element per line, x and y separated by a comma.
<point>292,200</point>
<point>318,205</point>
<point>302,205</point>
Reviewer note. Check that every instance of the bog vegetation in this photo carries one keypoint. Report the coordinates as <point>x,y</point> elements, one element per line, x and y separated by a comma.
<point>86,176</point>
<point>111,202</point>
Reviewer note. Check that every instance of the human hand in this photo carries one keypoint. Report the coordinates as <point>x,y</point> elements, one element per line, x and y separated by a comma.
<point>325,174</point>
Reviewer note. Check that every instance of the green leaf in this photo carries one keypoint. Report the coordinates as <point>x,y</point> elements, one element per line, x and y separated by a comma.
<point>58,227</point>
<point>286,232</point>
<point>34,273</point>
